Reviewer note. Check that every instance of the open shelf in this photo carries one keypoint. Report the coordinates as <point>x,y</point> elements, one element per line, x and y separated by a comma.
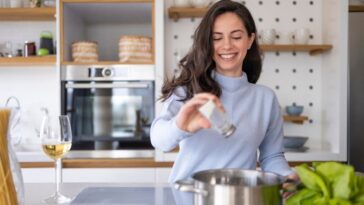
<point>356,8</point>
<point>295,119</point>
<point>102,63</point>
<point>189,12</point>
<point>28,14</point>
<point>185,12</point>
<point>312,49</point>
<point>29,61</point>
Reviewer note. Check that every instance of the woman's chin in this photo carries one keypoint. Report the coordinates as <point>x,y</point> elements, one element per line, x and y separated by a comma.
<point>230,70</point>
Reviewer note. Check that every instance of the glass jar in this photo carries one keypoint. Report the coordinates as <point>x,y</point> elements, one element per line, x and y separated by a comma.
<point>35,3</point>
<point>49,3</point>
<point>29,48</point>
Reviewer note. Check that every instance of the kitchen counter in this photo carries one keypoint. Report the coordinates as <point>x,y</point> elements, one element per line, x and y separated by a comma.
<point>85,193</point>
<point>95,159</point>
<point>101,163</point>
<point>141,159</point>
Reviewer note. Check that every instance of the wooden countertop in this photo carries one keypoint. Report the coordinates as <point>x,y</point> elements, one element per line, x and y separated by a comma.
<point>102,163</point>
<point>113,163</point>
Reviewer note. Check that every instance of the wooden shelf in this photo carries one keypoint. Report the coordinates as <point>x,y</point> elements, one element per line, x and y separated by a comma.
<point>29,61</point>
<point>188,12</point>
<point>356,8</point>
<point>312,49</point>
<point>295,119</point>
<point>28,14</point>
<point>185,12</point>
<point>102,63</point>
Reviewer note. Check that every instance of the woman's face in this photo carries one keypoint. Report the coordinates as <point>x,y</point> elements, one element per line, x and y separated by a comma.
<point>230,43</point>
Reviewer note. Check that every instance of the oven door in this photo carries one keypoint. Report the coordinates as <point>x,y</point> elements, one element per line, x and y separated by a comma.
<point>109,115</point>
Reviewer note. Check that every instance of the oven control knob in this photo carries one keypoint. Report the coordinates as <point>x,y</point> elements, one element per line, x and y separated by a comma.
<point>107,72</point>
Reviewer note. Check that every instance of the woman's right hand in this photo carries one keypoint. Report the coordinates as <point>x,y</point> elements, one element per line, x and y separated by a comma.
<point>189,118</point>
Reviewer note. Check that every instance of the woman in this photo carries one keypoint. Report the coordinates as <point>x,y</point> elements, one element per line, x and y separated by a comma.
<point>223,65</point>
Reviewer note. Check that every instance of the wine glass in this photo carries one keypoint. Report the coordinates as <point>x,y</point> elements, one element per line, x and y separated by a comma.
<point>56,138</point>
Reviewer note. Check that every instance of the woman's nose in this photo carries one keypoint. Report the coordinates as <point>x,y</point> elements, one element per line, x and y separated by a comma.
<point>227,43</point>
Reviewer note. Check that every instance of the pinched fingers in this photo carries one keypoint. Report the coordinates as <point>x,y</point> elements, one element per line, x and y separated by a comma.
<point>208,96</point>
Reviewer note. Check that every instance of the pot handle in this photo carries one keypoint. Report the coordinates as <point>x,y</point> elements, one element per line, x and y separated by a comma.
<point>188,186</point>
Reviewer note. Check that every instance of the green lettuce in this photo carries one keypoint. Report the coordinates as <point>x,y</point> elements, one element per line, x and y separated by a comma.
<point>328,183</point>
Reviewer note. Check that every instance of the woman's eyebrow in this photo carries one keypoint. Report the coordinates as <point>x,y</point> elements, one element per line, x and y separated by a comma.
<point>234,31</point>
<point>237,30</point>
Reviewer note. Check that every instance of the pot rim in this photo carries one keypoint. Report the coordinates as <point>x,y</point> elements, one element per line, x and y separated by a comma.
<point>280,178</point>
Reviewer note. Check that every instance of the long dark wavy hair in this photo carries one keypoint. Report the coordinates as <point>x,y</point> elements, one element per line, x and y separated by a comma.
<point>197,66</point>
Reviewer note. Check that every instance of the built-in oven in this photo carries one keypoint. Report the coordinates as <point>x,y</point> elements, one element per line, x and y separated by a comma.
<point>110,107</point>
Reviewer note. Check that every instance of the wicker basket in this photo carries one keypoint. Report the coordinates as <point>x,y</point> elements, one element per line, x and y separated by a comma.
<point>85,51</point>
<point>135,49</point>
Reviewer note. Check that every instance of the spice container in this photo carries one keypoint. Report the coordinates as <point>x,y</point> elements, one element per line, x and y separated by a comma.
<point>29,48</point>
<point>217,118</point>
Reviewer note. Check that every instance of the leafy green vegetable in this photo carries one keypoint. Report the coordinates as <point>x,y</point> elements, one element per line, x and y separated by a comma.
<point>359,197</point>
<point>304,196</point>
<point>337,201</point>
<point>341,178</point>
<point>328,183</point>
<point>312,180</point>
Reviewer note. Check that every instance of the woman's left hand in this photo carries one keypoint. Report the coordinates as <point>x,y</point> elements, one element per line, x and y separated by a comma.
<point>290,187</point>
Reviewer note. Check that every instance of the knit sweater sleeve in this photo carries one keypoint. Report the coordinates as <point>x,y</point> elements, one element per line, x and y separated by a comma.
<point>164,134</point>
<point>271,156</point>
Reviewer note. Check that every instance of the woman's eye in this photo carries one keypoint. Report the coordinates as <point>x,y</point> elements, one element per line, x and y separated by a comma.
<point>217,39</point>
<point>236,37</point>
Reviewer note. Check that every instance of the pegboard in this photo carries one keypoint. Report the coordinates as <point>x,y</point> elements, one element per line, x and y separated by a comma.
<point>296,77</point>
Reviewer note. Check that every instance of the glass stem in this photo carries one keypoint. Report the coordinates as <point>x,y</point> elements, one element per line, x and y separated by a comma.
<point>58,167</point>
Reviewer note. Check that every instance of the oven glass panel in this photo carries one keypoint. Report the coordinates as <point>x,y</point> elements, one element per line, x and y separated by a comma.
<point>110,116</point>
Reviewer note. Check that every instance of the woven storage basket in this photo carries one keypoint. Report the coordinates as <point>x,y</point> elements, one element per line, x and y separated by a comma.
<point>135,49</point>
<point>85,51</point>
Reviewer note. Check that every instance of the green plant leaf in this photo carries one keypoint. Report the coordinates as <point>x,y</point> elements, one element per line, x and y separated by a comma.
<point>340,177</point>
<point>312,180</point>
<point>302,197</point>
<point>337,201</point>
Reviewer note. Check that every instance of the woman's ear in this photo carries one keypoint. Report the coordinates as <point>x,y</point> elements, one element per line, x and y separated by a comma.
<point>251,40</point>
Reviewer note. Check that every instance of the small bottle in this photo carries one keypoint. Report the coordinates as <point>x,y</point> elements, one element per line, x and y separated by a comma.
<point>218,119</point>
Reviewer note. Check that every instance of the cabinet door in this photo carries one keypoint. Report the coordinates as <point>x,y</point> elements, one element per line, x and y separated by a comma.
<point>109,175</point>
<point>162,175</point>
<point>91,175</point>
<point>38,175</point>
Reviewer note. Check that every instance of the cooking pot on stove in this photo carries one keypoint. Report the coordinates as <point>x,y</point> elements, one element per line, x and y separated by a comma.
<point>234,186</point>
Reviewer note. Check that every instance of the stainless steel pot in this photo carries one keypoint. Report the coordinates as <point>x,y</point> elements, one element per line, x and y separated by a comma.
<point>234,187</point>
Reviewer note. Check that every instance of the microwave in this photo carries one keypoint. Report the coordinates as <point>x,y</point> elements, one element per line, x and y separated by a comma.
<point>110,107</point>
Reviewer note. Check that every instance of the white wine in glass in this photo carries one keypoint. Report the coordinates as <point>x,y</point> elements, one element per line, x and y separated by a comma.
<point>56,150</point>
<point>56,137</point>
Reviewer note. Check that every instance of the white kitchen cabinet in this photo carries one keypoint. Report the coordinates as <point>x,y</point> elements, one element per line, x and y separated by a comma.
<point>109,175</point>
<point>162,175</point>
<point>38,175</point>
<point>94,175</point>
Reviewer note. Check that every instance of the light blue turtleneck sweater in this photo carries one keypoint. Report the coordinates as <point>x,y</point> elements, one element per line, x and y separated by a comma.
<point>255,112</point>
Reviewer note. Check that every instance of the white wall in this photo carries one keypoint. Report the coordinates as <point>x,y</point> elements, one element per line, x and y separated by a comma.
<point>34,86</point>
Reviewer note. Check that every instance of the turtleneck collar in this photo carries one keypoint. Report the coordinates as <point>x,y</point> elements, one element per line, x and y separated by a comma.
<point>230,83</point>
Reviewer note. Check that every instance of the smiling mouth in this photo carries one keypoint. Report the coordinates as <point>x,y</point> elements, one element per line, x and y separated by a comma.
<point>227,56</point>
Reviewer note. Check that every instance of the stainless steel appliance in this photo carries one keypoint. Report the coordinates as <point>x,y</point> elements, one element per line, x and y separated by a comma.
<point>234,187</point>
<point>356,97</point>
<point>110,107</point>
